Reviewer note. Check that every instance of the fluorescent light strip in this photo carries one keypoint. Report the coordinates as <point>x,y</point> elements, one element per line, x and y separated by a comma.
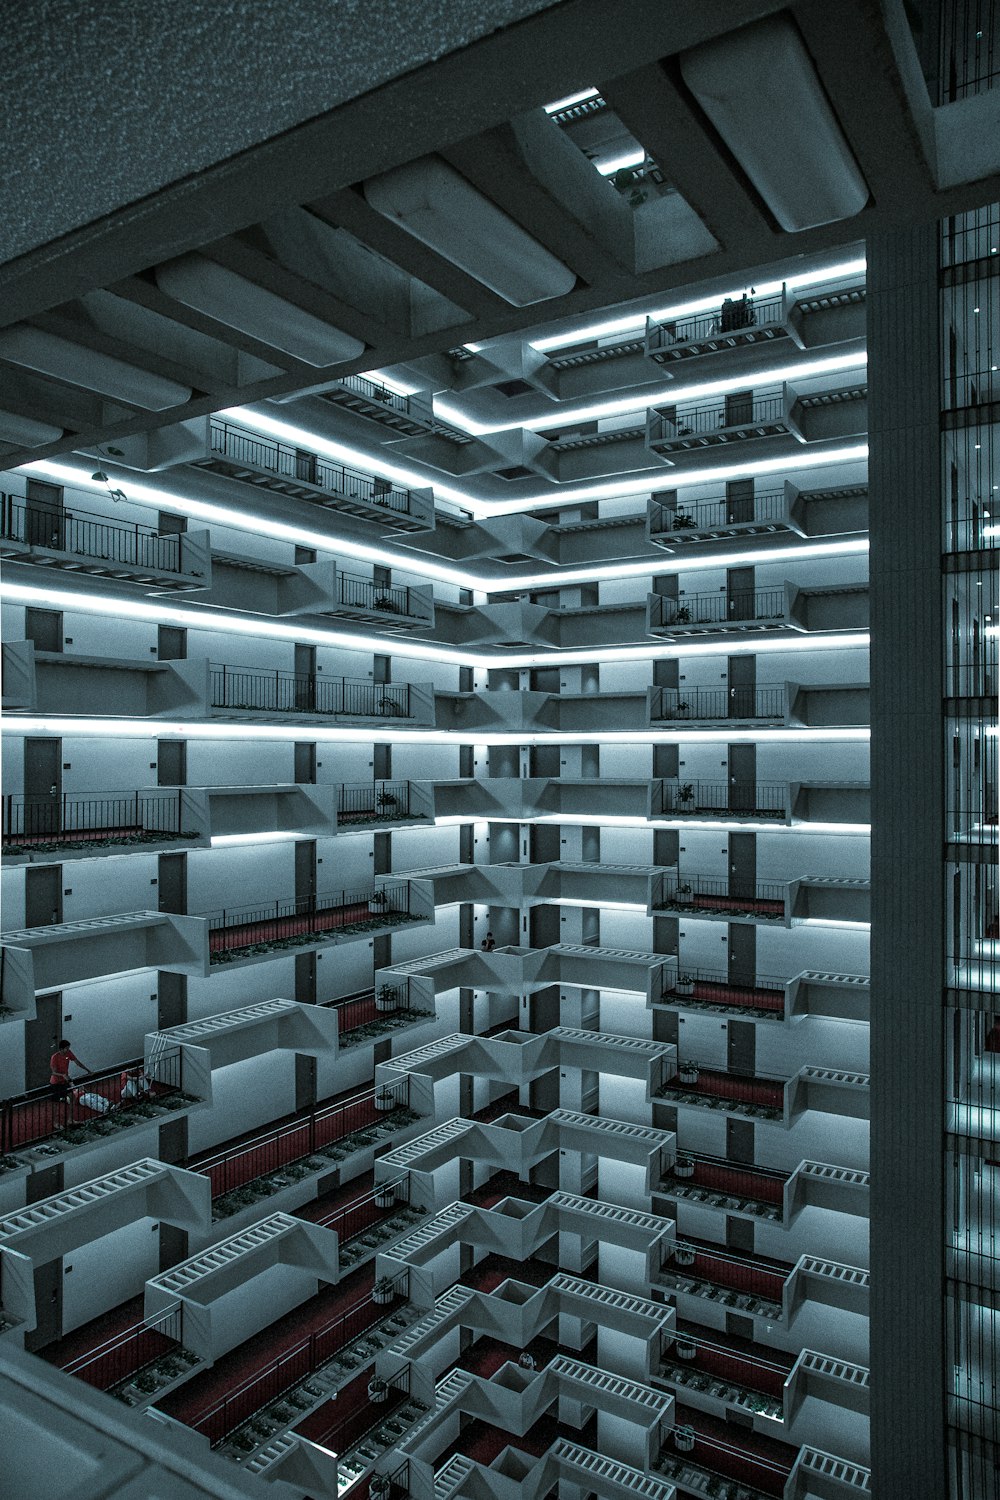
<point>633,321</point>
<point>574,820</point>
<point>619,163</point>
<point>198,729</point>
<point>248,625</point>
<point>143,494</point>
<point>237,840</point>
<point>831,922</point>
<point>676,395</point>
<point>552,109</point>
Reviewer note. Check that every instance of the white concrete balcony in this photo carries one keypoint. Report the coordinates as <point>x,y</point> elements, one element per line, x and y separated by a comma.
<point>518,1058</point>
<point>508,710</point>
<point>539,625</point>
<point>318,588</point>
<point>58,828</point>
<point>146,1189</point>
<point>518,1143</point>
<point>839,997</point>
<point>249,1031</point>
<point>572,965</point>
<point>223,447</point>
<point>532,797</point>
<point>817,1475</point>
<point>50,958</point>
<point>728,800</point>
<point>708,899</point>
<point>528,885</point>
<point>33,535</point>
<point>785,609</point>
<point>517,1229</point>
<point>758,1192</point>
<point>266,696</point>
<point>463,1479</point>
<point>790,704</point>
<point>56,682</point>
<point>385,805</point>
<point>675,523</point>
<point>243,1264</point>
<point>764,327</point>
<point>770,1099</point>
<point>759,424</point>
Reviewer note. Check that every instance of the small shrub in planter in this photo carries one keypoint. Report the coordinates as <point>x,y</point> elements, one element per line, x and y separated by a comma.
<point>684,983</point>
<point>383,1291</point>
<point>688,1071</point>
<point>377,1389</point>
<point>684,1166</point>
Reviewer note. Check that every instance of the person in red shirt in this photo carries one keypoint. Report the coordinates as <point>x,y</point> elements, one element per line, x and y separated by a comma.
<point>59,1071</point>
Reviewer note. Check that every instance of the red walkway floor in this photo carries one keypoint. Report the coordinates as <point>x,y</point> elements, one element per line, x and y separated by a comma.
<point>765,1277</point>
<point>720,1085</point>
<point>734,994</point>
<point>739,1361</point>
<point>737,1452</point>
<point>271,929</point>
<point>90,1336</point>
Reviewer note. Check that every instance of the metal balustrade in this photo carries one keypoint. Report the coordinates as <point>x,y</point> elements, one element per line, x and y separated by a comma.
<point>283,692</point>
<point>762,1090</point>
<point>700,1260</point>
<point>87,534</point>
<point>737,607</point>
<point>233,1167</point>
<point>371,391</point>
<point>232,929</point>
<point>301,466</point>
<point>373,802</point>
<point>350,1432</point>
<point>362,593</point>
<point>38,1115</point>
<point>704,894</point>
<point>757,417</point>
<point>762,316</point>
<point>719,1175</point>
<point>294,1365</point>
<point>714,515</point>
<point>766,799</point>
<point>693,704</point>
<point>352,1219</point>
<point>33,824</point>
<point>125,1354</point>
<point>713,987</point>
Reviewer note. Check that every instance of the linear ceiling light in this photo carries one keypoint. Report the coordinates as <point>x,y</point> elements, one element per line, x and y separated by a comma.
<point>760,89</point>
<point>48,354</point>
<point>553,109</point>
<point>231,299</point>
<point>441,209</point>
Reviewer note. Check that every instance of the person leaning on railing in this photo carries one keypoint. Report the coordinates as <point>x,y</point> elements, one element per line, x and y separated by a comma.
<point>59,1071</point>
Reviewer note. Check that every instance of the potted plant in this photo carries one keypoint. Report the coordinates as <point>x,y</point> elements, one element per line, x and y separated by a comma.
<point>684,983</point>
<point>687,1072</point>
<point>386,799</point>
<point>684,1166</point>
<point>682,615</point>
<point>378,901</point>
<point>684,1438</point>
<point>684,1348</point>
<point>384,1098</point>
<point>378,1487</point>
<point>385,1195</point>
<point>685,794</point>
<point>386,604</point>
<point>682,520</point>
<point>683,1255</point>
<point>378,1390</point>
<point>384,1291</point>
<point>386,997</point>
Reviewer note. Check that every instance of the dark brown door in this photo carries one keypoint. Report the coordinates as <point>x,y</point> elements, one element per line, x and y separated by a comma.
<point>171,643</point>
<point>740,593</point>
<point>42,788</point>
<point>45,515</point>
<point>305,763</point>
<point>742,954</point>
<point>48,1305</point>
<point>41,1037</point>
<point>742,778</point>
<point>743,865</point>
<point>742,686</point>
<point>305,679</point>
<point>171,762</point>
<point>44,627</point>
<point>305,875</point>
<point>739,501</point>
<point>741,1051</point>
<point>172,883</point>
<point>43,895</point>
<point>739,408</point>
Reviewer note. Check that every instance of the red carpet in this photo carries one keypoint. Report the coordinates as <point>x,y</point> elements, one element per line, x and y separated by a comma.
<point>734,994</point>
<point>26,1121</point>
<point>90,1336</point>
<point>738,1361</point>
<point>81,835</point>
<point>339,1424</point>
<point>493,1270</point>
<point>765,1277</point>
<point>271,929</point>
<point>739,1182</point>
<point>737,1452</point>
<point>506,1185</point>
<point>725,1086</point>
<point>757,907</point>
<point>258,1371</point>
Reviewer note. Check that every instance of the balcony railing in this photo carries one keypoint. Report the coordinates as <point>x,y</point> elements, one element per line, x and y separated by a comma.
<point>698,1260</point>
<point>298,465</point>
<point>241,929</point>
<point>362,593</point>
<point>36,1116</point>
<point>353,1218</point>
<point>235,1166</point>
<point>711,1178</point>
<point>36,824</point>
<point>712,987</point>
<point>365,1016</point>
<point>86,534</point>
<point>305,693</point>
<point>696,799</point>
<point>734,317</point>
<point>694,704</point>
<point>126,1353</point>
<point>718,1084</point>
<point>737,607</point>
<point>713,515</point>
<point>704,425</point>
<point>373,802</point>
<point>349,1432</point>
<point>703,894</point>
<point>294,1365</point>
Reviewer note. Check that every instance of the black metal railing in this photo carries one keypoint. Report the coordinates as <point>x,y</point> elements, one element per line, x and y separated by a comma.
<point>698,515</point>
<point>126,1353</point>
<point>348,1433</point>
<point>719,798</point>
<point>306,693</point>
<point>272,457</point>
<point>233,1167</point>
<point>38,1115</point>
<point>362,593</point>
<point>733,316</point>
<point>702,894</point>
<point>718,608</point>
<point>239,928</point>
<point>721,703</point>
<point>34,823</point>
<point>372,391</point>
<point>373,801</point>
<point>352,1219</point>
<point>294,1365</point>
<point>714,987</point>
<point>707,421</point>
<point>86,534</point>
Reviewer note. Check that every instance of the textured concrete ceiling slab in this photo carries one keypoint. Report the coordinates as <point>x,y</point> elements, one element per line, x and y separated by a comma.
<point>114,100</point>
